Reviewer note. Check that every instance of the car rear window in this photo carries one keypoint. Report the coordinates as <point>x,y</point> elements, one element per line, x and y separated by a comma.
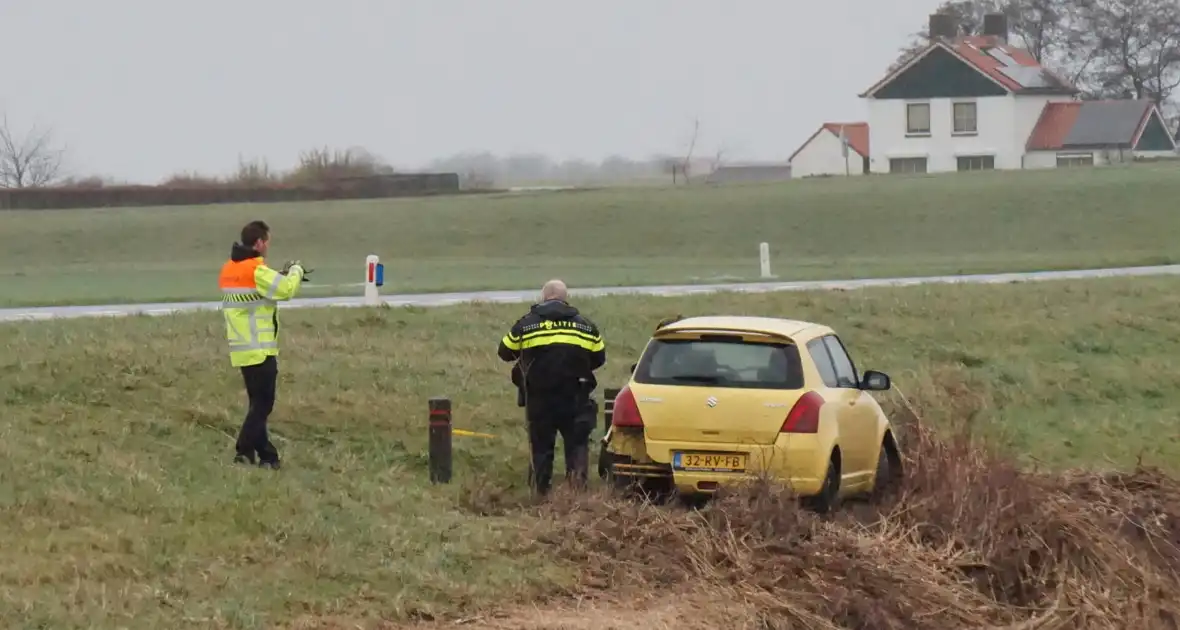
<point>720,361</point>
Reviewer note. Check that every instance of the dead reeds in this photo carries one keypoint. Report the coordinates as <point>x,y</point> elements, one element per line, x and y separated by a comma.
<point>968,540</point>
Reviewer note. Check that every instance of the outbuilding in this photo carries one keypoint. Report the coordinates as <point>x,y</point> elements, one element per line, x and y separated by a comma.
<point>834,149</point>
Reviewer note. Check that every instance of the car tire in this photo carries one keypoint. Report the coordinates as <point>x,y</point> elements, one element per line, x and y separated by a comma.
<point>829,494</point>
<point>889,468</point>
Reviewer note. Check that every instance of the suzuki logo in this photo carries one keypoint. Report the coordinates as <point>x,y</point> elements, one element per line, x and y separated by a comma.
<point>712,402</point>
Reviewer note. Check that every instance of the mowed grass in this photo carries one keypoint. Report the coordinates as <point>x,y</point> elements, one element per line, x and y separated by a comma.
<point>832,228</point>
<point>118,507</point>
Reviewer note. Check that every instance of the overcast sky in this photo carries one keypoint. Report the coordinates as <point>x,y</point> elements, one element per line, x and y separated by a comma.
<point>140,89</point>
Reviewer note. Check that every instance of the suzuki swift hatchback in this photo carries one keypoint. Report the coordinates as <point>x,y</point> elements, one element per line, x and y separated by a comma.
<point>713,400</point>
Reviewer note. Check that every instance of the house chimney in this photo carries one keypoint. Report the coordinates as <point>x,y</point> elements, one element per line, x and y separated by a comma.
<point>996,25</point>
<point>943,25</point>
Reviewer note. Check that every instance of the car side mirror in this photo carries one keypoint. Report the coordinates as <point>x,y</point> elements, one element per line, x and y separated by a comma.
<point>875,381</point>
<point>633,366</point>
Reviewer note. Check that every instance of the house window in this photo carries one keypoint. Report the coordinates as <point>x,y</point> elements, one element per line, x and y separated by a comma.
<point>1066,160</point>
<point>965,121</point>
<point>977,162</point>
<point>907,165</point>
<point>917,119</point>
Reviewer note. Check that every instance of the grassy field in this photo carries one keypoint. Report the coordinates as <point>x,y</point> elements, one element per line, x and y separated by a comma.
<point>118,507</point>
<point>834,229</point>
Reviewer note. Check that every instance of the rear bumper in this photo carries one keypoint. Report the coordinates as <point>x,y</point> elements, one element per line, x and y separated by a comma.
<point>629,468</point>
<point>708,483</point>
<point>799,462</point>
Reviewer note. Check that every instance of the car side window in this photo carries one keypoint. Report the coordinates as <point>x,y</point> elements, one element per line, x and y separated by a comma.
<point>845,370</point>
<point>823,362</point>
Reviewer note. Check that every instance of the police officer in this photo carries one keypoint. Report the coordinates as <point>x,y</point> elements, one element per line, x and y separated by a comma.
<point>557,350</point>
<point>250,295</point>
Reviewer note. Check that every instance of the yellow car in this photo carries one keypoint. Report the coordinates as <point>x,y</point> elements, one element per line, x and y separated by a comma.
<point>718,399</point>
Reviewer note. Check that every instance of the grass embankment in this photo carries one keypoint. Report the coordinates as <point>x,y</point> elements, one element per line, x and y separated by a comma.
<point>818,229</point>
<point>118,507</point>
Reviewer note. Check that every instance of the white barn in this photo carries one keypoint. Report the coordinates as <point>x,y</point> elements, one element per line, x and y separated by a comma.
<point>823,153</point>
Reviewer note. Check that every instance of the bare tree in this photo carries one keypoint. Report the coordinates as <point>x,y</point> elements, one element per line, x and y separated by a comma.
<point>255,172</point>
<point>1049,29</point>
<point>324,165</point>
<point>685,166</point>
<point>717,159</point>
<point>677,167</point>
<point>1137,47</point>
<point>28,161</point>
<point>967,14</point>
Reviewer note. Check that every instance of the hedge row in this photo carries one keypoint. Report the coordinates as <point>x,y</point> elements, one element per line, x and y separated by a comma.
<point>371,187</point>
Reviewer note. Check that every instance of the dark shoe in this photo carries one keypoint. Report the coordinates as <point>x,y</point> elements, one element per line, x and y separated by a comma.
<point>271,465</point>
<point>243,459</point>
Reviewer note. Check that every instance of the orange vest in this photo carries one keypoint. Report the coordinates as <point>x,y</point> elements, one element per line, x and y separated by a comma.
<point>250,292</point>
<point>239,274</point>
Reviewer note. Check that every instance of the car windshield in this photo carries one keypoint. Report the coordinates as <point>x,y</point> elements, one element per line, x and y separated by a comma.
<point>720,362</point>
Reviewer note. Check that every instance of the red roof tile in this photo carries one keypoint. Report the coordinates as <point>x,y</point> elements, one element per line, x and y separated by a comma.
<point>971,49</point>
<point>1053,126</point>
<point>856,132</point>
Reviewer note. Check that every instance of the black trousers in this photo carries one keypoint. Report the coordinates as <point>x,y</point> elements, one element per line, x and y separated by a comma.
<point>548,416</point>
<point>261,381</point>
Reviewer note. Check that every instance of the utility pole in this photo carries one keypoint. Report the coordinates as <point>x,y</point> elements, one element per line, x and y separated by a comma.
<point>844,150</point>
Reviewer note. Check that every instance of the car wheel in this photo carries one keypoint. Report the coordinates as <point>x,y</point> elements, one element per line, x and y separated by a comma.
<point>888,467</point>
<point>694,501</point>
<point>827,498</point>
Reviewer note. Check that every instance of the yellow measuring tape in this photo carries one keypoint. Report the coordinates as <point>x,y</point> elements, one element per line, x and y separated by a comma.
<point>471,433</point>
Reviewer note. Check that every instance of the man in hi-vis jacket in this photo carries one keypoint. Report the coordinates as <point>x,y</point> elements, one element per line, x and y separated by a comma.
<point>250,295</point>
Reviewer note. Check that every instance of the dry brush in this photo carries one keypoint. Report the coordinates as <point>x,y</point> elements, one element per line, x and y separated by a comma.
<point>969,540</point>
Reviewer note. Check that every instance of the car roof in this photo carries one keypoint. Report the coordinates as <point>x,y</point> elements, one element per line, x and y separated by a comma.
<point>771,325</point>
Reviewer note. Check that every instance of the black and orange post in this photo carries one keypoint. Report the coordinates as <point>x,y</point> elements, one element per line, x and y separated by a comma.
<point>440,440</point>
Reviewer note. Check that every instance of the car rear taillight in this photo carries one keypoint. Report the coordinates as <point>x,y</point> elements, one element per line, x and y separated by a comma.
<point>804,416</point>
<point>626,412</point>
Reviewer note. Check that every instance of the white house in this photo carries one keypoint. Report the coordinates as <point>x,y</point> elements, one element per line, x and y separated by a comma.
<point>974,102</point>
<point>823,153</point>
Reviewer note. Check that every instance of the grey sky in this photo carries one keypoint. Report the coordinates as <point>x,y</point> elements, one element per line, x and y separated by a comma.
<point>140,89</point>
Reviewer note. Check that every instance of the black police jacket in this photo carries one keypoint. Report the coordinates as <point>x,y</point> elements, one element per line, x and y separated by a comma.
<point>557,349</point>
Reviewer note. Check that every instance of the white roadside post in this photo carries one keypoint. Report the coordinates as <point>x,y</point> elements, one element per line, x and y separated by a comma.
<point>764,256</point>
<point>373,279</point>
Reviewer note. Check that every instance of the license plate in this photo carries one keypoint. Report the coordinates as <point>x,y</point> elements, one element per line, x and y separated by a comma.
<point>711,462</point>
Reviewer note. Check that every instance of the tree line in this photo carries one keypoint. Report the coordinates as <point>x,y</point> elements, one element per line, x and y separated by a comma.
<point>34,159</point>
<point>1107,48</point>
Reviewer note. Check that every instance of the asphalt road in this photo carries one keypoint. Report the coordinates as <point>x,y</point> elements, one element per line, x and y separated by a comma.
<point>446,299</point>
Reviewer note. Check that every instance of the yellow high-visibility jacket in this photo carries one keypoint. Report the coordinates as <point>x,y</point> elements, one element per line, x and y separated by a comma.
<point>250,295</point>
